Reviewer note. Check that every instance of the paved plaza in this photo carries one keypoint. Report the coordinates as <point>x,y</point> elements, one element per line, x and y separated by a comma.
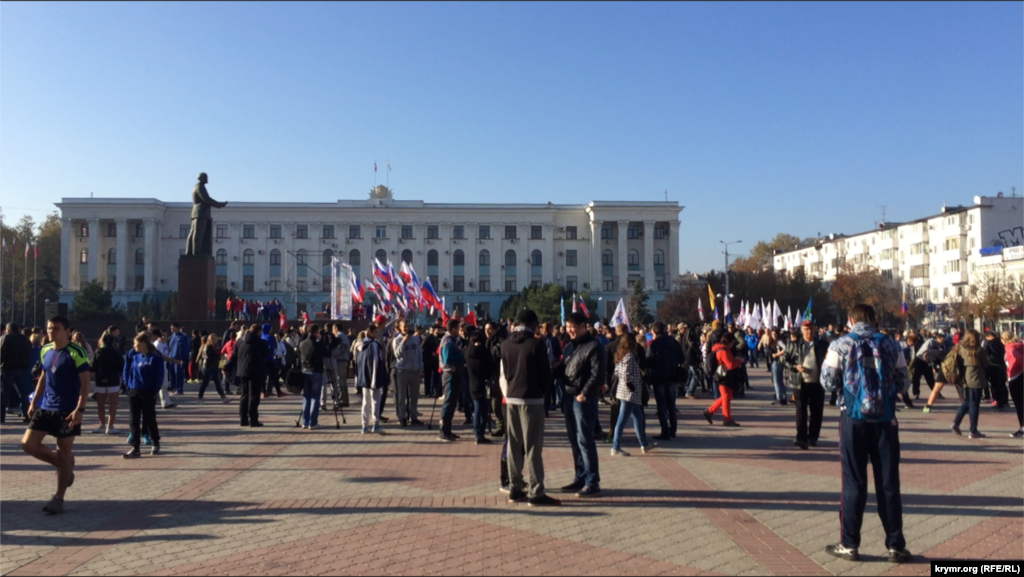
<point>222,500</point>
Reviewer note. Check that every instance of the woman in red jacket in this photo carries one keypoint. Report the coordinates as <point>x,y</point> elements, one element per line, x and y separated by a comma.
<point>725,382</point>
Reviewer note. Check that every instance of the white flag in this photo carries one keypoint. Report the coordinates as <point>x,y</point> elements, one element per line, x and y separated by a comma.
<point>775,315</point>
<point>700,309</point>
<point>620,316</point>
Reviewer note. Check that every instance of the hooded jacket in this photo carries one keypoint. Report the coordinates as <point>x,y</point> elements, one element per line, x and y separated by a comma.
<point>271,342</point>
<point>408,353</point>
<point>15,352</point>
<point>524,358</point>
<point>586,368</point>
<point>143,372</point>
<point>481,368</point>
<point>371,372</point>
<point>108,366</point>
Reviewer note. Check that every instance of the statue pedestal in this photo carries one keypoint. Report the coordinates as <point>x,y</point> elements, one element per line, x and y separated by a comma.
<point>197,288</point>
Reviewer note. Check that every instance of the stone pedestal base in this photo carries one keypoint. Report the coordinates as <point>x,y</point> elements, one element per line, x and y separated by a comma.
<point>197,288</point>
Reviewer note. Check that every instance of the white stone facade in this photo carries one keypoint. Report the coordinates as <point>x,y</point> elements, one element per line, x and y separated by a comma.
<point>935,258</point>
<point>474,253</point>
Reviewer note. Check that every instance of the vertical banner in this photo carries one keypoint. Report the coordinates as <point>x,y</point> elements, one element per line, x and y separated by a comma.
<point>341,290</point>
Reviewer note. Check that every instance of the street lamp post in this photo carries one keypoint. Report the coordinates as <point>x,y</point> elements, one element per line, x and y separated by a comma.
<point>727,264</point>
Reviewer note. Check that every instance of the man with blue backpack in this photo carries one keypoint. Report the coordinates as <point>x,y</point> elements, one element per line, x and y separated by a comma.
<point>868,369</point>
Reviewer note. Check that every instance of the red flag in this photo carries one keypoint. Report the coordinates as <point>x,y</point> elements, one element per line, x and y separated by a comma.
<point>471,318</point>
<point>444,318</point>
<point>27,246</point>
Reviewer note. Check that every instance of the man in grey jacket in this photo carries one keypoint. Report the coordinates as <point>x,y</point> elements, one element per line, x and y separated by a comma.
<point>408,351</point>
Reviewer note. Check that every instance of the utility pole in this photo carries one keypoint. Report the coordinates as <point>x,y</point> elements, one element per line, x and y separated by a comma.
<point>727,266</point>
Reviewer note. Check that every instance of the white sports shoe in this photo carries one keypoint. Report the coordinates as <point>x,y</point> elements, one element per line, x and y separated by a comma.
<point>619,453</point>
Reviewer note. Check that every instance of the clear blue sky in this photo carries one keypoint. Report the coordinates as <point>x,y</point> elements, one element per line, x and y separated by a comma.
<point>759,118</point>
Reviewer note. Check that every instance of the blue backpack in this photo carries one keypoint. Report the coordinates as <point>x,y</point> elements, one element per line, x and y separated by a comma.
<point>868,394</point>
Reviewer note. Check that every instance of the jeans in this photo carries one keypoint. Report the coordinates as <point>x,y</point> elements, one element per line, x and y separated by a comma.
<point>450,380</point>
<point>176,374</point>
<point>778,379</point>
<point>860,441</point>
<point>752,357</point>
<point>407,395</point>
<point>211,374</point>
<point>627,410</point>
<point>971,405</point>
<point>665,397</point>
<point>431,381</point>
<point>312,383</point>
<point>480,417</point>
<point>16,383</point>
<point>580,422</point>
<point>694,382</point>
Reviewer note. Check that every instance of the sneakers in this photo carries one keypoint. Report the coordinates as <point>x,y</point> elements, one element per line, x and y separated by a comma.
<point>927,409</point>
<point>101,430</point>
<point>956,429</point>
<point>707,415</point>
<point>976,435</point>
<point>417,422</point>
<point>170,405</point>
<point>691,396</point>
<point>55,506</point>
<point>648,448</point>
<point>200,402</point>
<point>446,438</point>
<point>313,427</point>
<point>1017,434</point>
<point>516,496</point>
<point>366,430</point>
<point>730,423</point>
<point>572,488</point>
<point>619,453</point>
<point>499,433</point>
<point>803,445</point>
<point>146,440</point>
<point>543,501</point>
<point>484,441</point>
<point>505,489</point>
<point>588,492</point>
<point>842,551</point>
<point>155,450</point>
<point>377,430</point>
<point>225,399</point>
<point>899,555</point>
<point>133,454</point>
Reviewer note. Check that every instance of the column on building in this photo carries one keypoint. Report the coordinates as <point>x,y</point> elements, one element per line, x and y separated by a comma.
<point>444,261</point>
<point>261,246</point>
<point>596,275</point>
<point>471,249</point>
<point>672,264</point>
<point>622,256</point>
<point>650,281</point>
<point>150,281</point>
<point>65,252</point>
<point>94,250</point>
<point>122,254</point>
<point>549,256</point>
<point>523,268</point>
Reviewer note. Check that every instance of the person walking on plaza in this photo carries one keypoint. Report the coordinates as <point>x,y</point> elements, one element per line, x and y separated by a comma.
<point>726,377</point>
<point>178,349</point>
<point>273,372</point>
<point>16,361</point>
<point>371,378</point>
<point>61,395</point>
<point>409,369</point>
<point>870,373</point>
<point>431,363</point>
<point>143,376</point>
<point>1015,377</point>
<point>312,354</point>
<point>996,371</point>
<point>251,365</point>
<point>629,385</point>
<point>160,343</point>
<point>208,363</point>
<point>662,368</point>
<point>480,367</point>
<point>524,362</point>
<point>585,370</point>
<point>775,353</point>
<point>971,364</point>
<point>804,360</point>
<point>498,406</point>
<point>453,366</point>
<point>108,366</point>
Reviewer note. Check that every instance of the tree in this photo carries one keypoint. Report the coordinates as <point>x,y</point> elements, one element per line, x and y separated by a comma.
<point>546,301</point>
<point>763,252</point>
<point>990,293</point>
<point>746,265</point>
<point>865,284</point>
<point>169,308</point>
<point>149,308</point>
<point>681,304</point>
<point>94,303</point>
<point>636,307</point>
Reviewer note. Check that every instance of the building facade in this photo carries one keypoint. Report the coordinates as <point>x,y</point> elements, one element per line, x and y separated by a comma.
<point>935,258</point>
<point>473,253</point>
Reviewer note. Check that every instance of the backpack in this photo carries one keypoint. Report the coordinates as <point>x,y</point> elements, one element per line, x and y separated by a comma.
<point>710,363</point>
<point>869,396</point>
<point>951,369</point>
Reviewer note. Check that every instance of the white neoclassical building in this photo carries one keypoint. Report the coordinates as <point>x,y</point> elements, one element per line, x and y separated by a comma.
<point>473,253</point>
<point>936,258</point>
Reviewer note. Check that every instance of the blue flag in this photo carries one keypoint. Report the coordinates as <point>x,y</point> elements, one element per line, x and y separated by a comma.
<point>562,299</point>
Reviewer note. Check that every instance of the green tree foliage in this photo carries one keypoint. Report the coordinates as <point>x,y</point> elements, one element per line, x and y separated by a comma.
<point>94,303</point>
<point>545,301</point>
<point>34,282</point>
<point>636,306</point>
<point>149,308</point>
<point>169,308</point>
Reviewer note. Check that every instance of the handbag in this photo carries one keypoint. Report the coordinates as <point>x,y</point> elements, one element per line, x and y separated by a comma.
<point>295,383</point>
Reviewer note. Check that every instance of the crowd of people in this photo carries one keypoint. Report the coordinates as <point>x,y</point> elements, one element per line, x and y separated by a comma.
<point>239,309</point>
<point>506,378</point>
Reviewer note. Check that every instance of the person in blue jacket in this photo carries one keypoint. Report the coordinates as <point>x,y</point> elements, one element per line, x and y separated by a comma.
<point>143,376</point>
<point>178,349</point>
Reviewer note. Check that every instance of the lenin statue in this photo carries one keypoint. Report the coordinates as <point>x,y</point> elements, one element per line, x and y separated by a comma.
<point>200,236</point>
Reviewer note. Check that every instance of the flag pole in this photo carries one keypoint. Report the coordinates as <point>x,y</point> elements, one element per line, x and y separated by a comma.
<point>35,289</point>
<point>24,285</point>
<point>2,252</point>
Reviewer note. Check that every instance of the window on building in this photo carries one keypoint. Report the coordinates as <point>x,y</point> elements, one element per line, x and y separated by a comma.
<point>536,259</point>
<point>485,285</point>
<point>140,230</point>
<point>222,257</point>
<point>222,282</point>
<point>570,283</point>
<point>328,231</point>
<point>140,282</point>
<point>953,266</point>
<point>222,231</point>
<point>112,230</point>
<point>140,256</point>
<point>485,258</point>
<point>609,284</point>
<point>570,233</point>
<point>660,282</point>
<point>353,231</point>
<point>659,258</point>
<point>433,280</point>
<point>919,271</point>
<point>248,283</point>
<point>952,243</point>
<point>510,284</point>
<point>607,258</point>
<point>536,232</point>
<point>887,273</point>
<point>407,256</point>
<point>302,263</point>
<point>607,231</point>
<point>274,285</point>
<point>918,248</point>
<point>112,256</point>
<point>406,231</point>
<point>510,231</point>
<point>459,258</point>
<point>485,231</point>
<point>570,258</point>
<point>510,258</point>
<point>302,231</point>
<point>275,263</point>
<point>111,282</point>
<point>248,257</point>
<point>633,259</point>
<point>183,230</point>
<point>458,283</point>
<point>381,231</point>
<point>433,231</point>
<point>633,231</point>
<point>354,260</point>
<point>275,231</point>
<point>432,258</point>
<point>248,231</point>
<point>660,231</point>
<point>83,229</point>
<point>382,256</point>
<point>301,285</point>
<point>458,231</point>
<point>83,257</point>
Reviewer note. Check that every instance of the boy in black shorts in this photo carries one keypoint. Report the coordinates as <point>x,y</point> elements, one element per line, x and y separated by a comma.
<point>58,406</point>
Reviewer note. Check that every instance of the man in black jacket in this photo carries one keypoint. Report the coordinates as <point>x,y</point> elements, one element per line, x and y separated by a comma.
<point>804,359</point>
<point>15,369</point>
<point>528,373</point>
<point>312,354</point>
<point>251,352</point>
<point>585,371</point>
<point>662,363</point>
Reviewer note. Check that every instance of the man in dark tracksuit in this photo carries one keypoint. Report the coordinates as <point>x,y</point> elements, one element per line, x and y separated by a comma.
<point>252,353</point>
<point>804,360</point>
<point>662,364</point>
<point>863,439</point>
